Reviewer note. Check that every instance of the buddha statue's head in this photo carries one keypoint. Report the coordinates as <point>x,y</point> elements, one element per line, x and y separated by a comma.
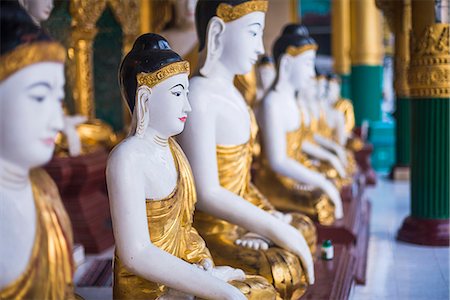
<point>31,88</point>
<point>334,89</point>
<point>184,13</point>
<point>295,54</point>
<point>154,82</point>
<point>266,72</point>
<point>230,34</point>
<point>39,10</point>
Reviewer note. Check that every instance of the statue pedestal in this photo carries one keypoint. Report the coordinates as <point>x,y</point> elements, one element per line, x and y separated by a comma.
<point>334,278</point>
<point>82,184</point>
<point>352,231</point>
<point>363,160</point>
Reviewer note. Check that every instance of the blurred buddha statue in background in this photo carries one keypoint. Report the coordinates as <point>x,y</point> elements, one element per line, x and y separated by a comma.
<point>35,232</point>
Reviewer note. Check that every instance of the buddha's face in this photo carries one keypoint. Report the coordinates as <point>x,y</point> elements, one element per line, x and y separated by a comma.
<point>39,10</point>
<point>242,42</point>
<point>185,12</point>
<point>169,106</point>
<point>267,75</point>
<point>303,70</point>
<point>31,114</point>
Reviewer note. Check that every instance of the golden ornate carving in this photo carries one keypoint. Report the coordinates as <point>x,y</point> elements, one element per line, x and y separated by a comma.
<point>29,54</point>
<point>294,51</point>
<point>429,73</point>
<point>85,14</point>
<point>152,79</point>
<point>230,13</point>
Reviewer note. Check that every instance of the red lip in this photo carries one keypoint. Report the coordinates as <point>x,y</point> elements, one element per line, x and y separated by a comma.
<point>183,119</point>
<point>49,141</point>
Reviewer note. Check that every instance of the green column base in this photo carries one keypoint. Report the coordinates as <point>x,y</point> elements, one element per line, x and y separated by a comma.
<point>366,92</point>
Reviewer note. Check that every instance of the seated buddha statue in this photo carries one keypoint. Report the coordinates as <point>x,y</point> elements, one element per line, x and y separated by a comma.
<point>287,177</point>
<point>35,232</point>
<point>266,74</point>
<point>345,107</point>
<point>240,226</point>
<point>159,254</point>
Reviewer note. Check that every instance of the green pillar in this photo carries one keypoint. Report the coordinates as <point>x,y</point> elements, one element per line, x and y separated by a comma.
<point>366,92</point>
<point>403,133</point>
<point>346,86</point>
<point>428,223</point>
<point>430,161</point>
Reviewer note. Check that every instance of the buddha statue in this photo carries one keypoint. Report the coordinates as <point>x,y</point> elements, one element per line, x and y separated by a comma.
<point>159,255</point>
<point>345,107</point>
<point>38,10</point>
<point>239,225</point>
<point>180,31</point>
<point>35,232</point>
<point>266,74</point>
<point>287,177</point>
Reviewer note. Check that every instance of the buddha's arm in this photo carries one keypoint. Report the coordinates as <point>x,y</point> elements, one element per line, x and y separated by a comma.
<point>333,146</point>
<point>138,254</point>
<point>199,143</point>
<point>275,145</point>
<point>323,154</point>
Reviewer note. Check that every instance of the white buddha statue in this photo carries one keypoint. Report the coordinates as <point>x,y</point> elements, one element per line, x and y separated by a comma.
<point>159,255</point>
<point>287,177</point>
<point>39,10</point>
<point>218,141</point>
<point>35,233</point>
<point>335,118</point>
<point>266,74</point>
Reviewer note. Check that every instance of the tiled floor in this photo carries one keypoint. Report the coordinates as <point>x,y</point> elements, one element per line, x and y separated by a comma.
<point>395,270</point>
<point>398,270</point>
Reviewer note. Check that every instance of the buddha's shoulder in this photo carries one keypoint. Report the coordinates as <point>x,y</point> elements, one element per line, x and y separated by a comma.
<point>202,95</point>
<point>127,154</point>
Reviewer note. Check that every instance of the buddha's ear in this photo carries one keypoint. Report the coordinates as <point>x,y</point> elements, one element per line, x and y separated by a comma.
<point>143,94</point>
<point>214,43</point>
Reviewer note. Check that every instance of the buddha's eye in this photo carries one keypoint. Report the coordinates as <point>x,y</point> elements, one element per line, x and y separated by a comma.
<point>38,98</point>
<point>253,33</point>
<point>176,93</point>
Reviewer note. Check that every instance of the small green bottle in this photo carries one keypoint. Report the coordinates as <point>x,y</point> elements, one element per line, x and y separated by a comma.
<point>327,250</point>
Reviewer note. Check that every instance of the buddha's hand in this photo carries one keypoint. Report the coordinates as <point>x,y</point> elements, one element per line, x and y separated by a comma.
<point>291,239</point>
<point>337,165</point>
<point>227,274</point>
<point>286,218</point>
<point>253,241</point>
<point>335,197</point>
<point>172,294</point>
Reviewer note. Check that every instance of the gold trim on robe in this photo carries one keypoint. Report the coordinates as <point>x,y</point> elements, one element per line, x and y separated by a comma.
<point>49,273</point>
<point>170,229</point>
<point>280,267</point>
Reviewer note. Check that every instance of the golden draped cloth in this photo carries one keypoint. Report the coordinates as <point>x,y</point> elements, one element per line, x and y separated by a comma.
<point>170,229</point>
<point>280,267</point>
<point>49,273</point>
<point>289,195</point>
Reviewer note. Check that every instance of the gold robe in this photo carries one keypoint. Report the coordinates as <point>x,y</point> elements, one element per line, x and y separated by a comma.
<point>170,228</point>
<point>49,273</point>
<point>280,267</point>
<point>289,195</point>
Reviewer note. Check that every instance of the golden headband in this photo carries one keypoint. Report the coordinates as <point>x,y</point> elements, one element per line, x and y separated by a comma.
<point>28,54</point>
<point>229,13</point>
<point>152,79</point>
<point>294,51</point>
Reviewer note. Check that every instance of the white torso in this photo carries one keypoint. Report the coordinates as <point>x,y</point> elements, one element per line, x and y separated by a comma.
<point>17,231</point>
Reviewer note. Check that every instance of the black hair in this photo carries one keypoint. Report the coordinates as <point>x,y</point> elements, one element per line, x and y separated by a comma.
<point>17,27</point>
<point>296,35</point>
<point>150,53</point>
<point>205,10</point>
<point>265,59</point>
